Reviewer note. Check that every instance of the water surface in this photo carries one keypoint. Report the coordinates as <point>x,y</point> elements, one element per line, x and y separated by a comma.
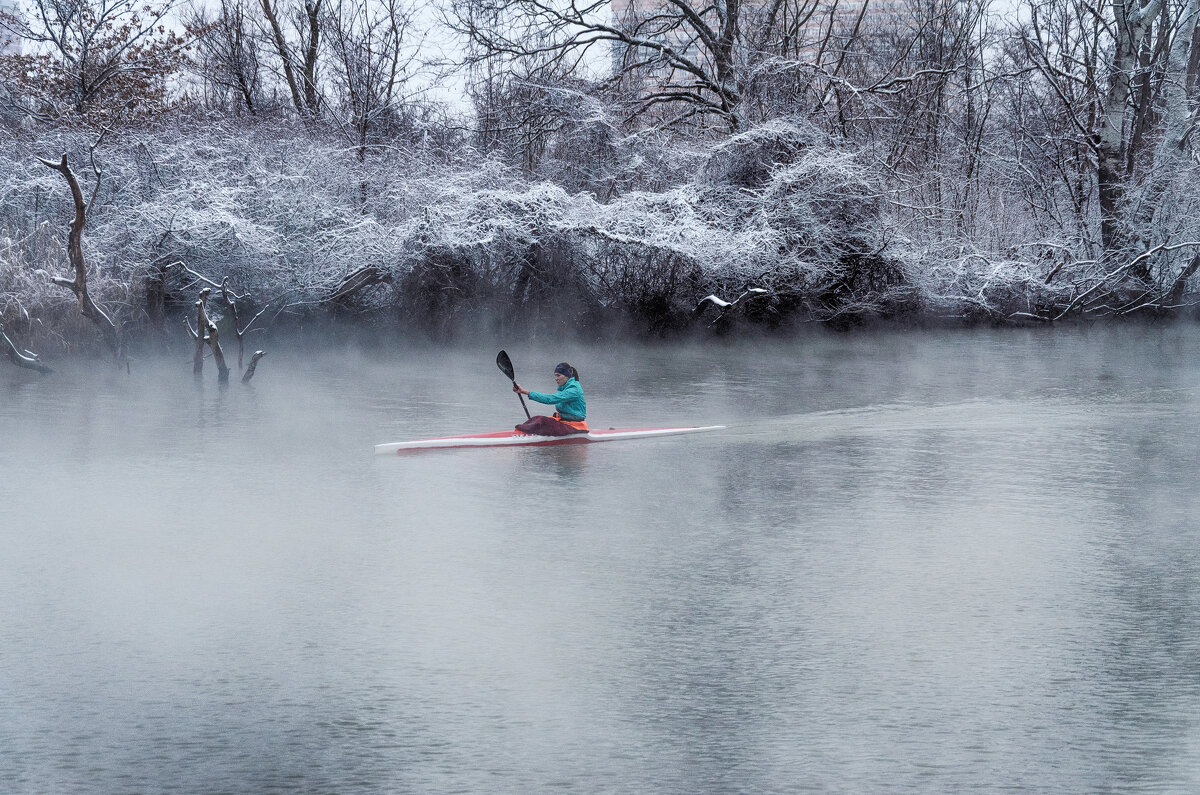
<point>914,562</point>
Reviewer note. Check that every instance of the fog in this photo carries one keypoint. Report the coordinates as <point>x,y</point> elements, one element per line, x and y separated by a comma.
<point>913,562</point>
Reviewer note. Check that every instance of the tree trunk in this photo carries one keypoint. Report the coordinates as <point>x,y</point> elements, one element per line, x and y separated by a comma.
<point>214,342</point>
<point>201,331</point>
<point>724,56</point>
<point>78,285</point>
<point>310,55</point>
<point>1180,284</point>
<point>285,55</point>
<point>206,332</point>
<point>1129,29</point>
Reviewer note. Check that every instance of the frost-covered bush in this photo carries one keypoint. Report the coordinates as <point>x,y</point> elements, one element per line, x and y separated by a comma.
<point>301,222</point>
<point>973,285</point>
<point>750,159</point>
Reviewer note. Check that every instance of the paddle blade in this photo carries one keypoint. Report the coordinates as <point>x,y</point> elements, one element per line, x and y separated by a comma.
<point>505,365</point>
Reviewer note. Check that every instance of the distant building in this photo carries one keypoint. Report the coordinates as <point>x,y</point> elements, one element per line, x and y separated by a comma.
<point>9,44</point>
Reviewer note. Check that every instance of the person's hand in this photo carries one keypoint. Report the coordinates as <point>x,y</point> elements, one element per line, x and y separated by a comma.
<point>518,390</point>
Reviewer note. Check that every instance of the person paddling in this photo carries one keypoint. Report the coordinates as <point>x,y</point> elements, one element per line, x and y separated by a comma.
<point>570,414</point>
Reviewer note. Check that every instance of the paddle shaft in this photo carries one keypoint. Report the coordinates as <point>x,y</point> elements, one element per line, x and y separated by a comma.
<point>522,397</point>
<point>506,367</point>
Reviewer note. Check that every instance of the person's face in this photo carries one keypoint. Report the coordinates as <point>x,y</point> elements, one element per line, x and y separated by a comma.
<point>560,379</point>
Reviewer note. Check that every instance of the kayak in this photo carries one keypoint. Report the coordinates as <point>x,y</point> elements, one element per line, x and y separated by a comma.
<point>517,439</point>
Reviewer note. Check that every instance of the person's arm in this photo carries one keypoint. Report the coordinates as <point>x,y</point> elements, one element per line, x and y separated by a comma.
<point>552,399</point>
<point>568,392</point>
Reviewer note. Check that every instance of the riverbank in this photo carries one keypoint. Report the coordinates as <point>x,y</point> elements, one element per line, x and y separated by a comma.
<point>770,230</point>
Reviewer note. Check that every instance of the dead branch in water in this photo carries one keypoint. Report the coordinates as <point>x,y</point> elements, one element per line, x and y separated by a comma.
<point>229,297</point>
<point>239,330</point>
<point>357,281</point>
<point>206,333</point>
<point>253,365</point>
<point>206,330</point>
<point>27,360</point>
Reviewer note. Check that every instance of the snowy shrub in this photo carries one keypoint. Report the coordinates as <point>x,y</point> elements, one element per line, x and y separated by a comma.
<point>302,223</point>
<point>826,208</point>
<point>749,159</point>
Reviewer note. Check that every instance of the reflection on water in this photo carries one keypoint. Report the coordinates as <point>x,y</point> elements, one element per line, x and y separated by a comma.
<point>914,562</point>
<point>565,464</point>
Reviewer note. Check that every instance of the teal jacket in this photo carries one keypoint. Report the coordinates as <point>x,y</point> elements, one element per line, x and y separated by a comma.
<point>568,400</point>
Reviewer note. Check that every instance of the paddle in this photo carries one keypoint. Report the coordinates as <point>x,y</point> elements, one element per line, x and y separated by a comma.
<point>505,365</point>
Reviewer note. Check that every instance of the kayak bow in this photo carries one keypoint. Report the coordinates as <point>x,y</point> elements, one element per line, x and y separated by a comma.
<point>518,439</point>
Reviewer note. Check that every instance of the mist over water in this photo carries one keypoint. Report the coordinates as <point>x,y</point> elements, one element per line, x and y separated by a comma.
<point>914,562</point>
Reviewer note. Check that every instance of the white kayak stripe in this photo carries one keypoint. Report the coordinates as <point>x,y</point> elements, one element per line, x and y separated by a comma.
<point>518,439</point>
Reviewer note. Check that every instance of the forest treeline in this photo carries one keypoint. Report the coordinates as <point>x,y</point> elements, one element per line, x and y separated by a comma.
<point>648,165</point>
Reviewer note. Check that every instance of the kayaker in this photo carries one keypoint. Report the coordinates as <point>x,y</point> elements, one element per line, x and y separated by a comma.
<point>570,408</point>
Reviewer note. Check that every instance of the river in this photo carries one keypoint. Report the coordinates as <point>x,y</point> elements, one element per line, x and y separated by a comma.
<point>913,562</point>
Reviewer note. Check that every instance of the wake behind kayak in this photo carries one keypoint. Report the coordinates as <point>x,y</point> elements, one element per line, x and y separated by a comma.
<point>514,438</point>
